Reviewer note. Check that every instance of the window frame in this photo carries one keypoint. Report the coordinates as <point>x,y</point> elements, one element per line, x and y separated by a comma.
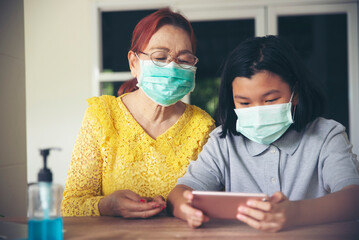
<point>351,9</point>
<point>265,13</point>
<point>216,11</point>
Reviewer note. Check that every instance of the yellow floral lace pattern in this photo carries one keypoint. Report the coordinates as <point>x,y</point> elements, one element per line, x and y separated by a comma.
<point>113,152</point>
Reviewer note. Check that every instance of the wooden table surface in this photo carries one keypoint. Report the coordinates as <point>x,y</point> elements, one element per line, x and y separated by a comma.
<point>163,227</point>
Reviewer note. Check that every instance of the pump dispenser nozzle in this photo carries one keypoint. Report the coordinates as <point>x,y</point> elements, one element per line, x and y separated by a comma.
<point>45,174</point>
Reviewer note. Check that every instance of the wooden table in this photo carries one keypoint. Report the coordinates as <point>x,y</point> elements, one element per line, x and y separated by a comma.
<point>164,227</point>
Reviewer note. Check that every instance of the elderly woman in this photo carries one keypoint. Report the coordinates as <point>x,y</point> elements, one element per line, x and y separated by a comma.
<point>131,150</point>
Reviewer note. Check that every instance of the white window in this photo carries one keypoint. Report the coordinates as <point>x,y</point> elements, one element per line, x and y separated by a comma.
<point>325,33</point>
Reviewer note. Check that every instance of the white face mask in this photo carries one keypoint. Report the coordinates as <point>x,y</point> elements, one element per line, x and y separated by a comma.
<point>264,124</point>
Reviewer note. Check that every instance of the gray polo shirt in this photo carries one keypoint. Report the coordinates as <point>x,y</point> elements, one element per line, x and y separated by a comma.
<point>307,164</point>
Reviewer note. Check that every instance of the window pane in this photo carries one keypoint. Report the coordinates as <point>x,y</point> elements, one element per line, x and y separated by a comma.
<point>117,28</point>
<point>215,40</point>
<point>110,88</point>
<point>321,40</point>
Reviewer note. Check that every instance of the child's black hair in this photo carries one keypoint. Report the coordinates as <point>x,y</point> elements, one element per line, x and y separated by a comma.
<point>275,55</point>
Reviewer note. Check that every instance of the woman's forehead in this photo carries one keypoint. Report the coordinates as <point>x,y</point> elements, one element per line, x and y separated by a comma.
<point>170,37</point>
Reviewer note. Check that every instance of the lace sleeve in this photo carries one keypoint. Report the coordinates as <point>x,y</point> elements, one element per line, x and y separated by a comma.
<point>84,180</point>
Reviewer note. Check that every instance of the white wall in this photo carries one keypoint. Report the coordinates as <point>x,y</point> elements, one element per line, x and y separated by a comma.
<point>58,79</point>
<point>13,182</point>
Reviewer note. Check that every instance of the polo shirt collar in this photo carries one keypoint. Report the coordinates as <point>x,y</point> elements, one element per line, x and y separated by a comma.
<point>288,143</point>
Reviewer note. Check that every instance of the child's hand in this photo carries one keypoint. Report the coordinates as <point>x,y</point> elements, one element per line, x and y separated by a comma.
<point>194,217</point>
<point>272,216</point>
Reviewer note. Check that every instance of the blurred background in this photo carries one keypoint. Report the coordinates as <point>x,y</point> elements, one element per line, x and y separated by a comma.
<point>56,54</point>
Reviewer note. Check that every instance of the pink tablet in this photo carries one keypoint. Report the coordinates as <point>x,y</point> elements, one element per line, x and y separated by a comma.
<point>223,205</point>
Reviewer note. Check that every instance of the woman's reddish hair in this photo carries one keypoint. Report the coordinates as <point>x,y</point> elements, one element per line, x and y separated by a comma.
<point>149,25</point>
<point>127,87</point>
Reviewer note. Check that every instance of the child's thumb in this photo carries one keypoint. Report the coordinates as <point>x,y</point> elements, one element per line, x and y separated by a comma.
<point>278,197</point>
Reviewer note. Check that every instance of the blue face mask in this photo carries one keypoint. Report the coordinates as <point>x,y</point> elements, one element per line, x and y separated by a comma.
<point>264,124</point>
<point>166,85</point>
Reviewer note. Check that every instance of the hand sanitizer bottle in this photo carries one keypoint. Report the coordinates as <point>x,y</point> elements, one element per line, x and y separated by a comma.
<point>44,205</point>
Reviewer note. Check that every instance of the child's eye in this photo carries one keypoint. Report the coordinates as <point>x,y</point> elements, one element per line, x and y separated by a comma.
<point>244,103</point>
<point>272,100</point>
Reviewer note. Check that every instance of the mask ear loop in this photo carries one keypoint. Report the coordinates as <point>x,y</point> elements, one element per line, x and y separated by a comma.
<point>295,106</point>
<point>138,80</point>
<point>137,56</point>
<point>291,98</point>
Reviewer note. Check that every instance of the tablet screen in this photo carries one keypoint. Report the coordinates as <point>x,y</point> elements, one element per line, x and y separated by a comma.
<point>223,205</point>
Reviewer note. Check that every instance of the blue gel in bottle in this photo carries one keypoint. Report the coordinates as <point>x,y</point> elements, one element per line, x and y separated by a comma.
<point>45,229</point>
<point>44,204</point>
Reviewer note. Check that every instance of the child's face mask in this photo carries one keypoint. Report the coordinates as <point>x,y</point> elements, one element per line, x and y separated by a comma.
<point>166,85</point>
<point>264,124</point>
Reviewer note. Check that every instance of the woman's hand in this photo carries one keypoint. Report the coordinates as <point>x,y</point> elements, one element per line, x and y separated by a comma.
<point>194,217</point>
<point>128,204</point>
<point>272,216</point>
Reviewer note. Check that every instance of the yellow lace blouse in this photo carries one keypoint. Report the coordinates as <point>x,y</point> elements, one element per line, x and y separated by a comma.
<point>113,152</point>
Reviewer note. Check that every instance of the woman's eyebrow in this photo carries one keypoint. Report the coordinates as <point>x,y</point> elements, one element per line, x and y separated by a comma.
<point>167,50</point>
<point>160,48</point>
<point>184,51</point>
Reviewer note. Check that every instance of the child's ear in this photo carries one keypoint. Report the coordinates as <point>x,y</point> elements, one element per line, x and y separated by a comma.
<point>133,63</point>
<point>295,99</point>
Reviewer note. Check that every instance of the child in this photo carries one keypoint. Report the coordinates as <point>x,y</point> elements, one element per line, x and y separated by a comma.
<point>272,140</point>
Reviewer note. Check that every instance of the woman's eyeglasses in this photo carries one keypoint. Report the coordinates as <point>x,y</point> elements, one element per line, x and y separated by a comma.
<point>162,58</point>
